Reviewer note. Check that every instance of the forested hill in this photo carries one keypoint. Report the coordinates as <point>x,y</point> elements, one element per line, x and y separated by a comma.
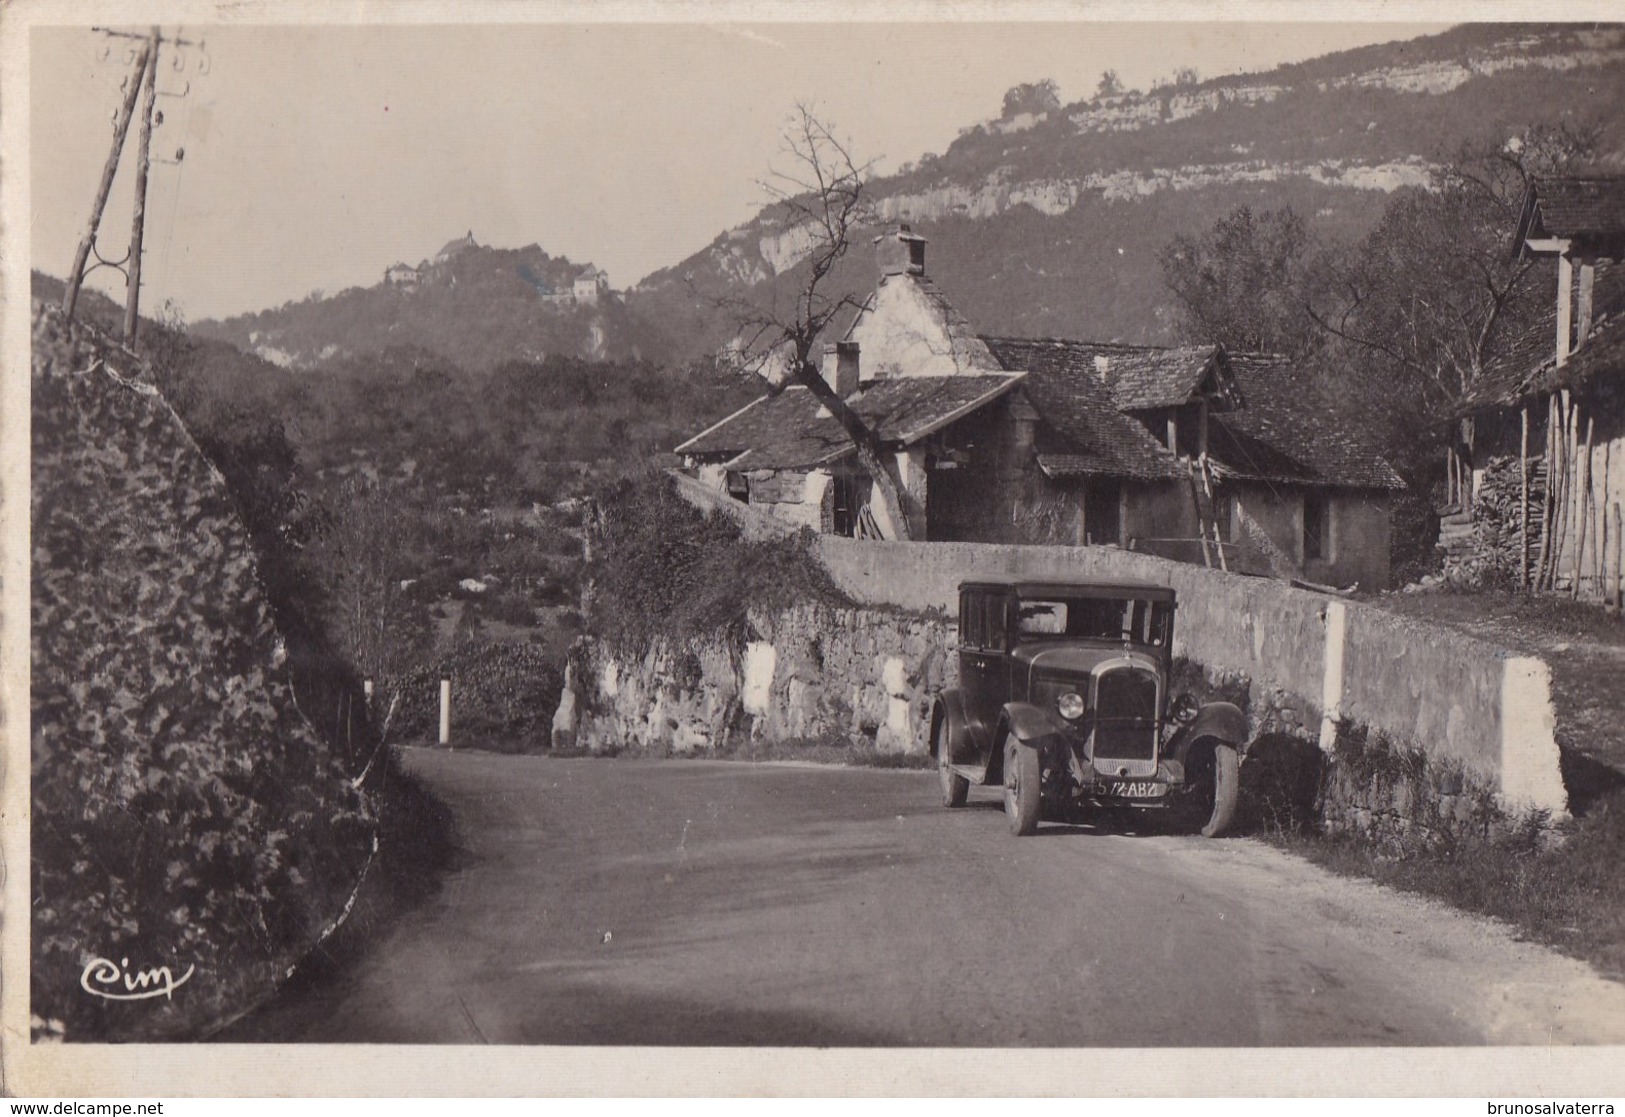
<point>1049,220</point>
<point>475,305</point>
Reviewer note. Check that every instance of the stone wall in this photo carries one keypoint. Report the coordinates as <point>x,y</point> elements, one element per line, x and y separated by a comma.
<point>811,673</point>
<point>1457,721</point>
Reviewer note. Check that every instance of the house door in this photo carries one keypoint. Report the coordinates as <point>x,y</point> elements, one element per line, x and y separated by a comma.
<point>1102,511</point>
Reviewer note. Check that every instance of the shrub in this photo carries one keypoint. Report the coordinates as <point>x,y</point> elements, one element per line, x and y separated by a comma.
<point>662,567</point>
<point>503,696</point>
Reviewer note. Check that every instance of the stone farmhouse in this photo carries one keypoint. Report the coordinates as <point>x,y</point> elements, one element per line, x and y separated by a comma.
<point>1537,465</point>
<point>1192,453</point>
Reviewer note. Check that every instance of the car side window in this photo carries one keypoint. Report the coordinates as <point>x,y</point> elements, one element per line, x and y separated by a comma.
<point>970,619</point>
<point>996,625</point>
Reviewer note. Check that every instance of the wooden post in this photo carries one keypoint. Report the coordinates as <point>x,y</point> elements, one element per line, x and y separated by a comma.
<point>1583,327</point>
<point>445,712</point>
<point>1582,511</point>
<point>1565,318</point>
<point>1565,487</point>
<point>121,127</point>
<point>1599,521</point>
<point>1619,559</point>
<point>138,222</point>
<point>1546,493</point>
<point>1523,503</point>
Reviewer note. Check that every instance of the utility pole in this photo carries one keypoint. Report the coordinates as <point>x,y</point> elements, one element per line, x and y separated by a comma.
<point>121,126</point>
<point>132,298</point>
<point>143,77</point>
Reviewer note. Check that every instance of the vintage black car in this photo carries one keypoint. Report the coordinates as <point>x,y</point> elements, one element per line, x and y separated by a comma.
<point>1063,698</point>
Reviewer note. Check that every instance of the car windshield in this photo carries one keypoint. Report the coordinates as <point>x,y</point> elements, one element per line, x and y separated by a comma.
<point>1095,618</point>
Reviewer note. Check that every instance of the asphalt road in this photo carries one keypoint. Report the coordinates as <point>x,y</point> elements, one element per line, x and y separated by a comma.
<point>715,903</point>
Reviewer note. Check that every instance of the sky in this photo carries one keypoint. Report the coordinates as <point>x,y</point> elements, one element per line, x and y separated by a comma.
<point>315,157</point>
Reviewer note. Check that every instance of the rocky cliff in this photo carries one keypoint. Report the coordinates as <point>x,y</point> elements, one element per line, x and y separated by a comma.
<point>1050,223</point>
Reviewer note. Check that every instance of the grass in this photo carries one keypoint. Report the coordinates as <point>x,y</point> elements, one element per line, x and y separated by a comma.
<point>1571,897</point>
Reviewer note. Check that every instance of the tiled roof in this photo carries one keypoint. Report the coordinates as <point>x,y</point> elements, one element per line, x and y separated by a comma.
<point>1528,364</point>
<point>1279,434</point>
<point>1153,378</point>
<point>792,430</point>
<point>1071,399</point>
<point>1284,435</point>
<point>1573,208</point>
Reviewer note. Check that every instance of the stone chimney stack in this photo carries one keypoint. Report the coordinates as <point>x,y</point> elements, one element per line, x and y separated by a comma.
<point>899,251</point>
<point>840,367</point>
<point>1103,365</point>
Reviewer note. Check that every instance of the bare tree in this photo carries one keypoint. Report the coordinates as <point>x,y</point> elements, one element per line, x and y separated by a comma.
<point>822,195</point>
<point>1434,295</point>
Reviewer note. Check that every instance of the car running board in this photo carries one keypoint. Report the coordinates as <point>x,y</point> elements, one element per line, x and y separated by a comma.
<point>975,773</point>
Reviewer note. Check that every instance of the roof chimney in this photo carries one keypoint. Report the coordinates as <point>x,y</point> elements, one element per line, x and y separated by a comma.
<point>1103,365</point>
<point>840,369</point>
<point>899,251</point>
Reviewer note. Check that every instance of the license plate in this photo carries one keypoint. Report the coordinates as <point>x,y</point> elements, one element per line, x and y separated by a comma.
<point>1137,789</point>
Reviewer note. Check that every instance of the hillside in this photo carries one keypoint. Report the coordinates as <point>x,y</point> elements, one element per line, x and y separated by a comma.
<point>1051,222</point>
<point>473,304</point>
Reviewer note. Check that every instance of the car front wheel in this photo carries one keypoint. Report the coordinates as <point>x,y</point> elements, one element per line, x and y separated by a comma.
<point>1022,776</point>
<point>955,788</point>
<point>1226,791</point>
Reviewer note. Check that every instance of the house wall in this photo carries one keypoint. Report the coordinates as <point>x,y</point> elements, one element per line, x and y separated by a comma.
<point>1361,535</point>
<point>989,494</point>
<point>1266,524</point>
<point>1159,518</point>
<point>906,333</point>
<point>798,498</point>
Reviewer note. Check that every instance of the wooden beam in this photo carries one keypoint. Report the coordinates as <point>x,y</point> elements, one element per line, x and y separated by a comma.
<point>1582,511</point>
<point>1548,244</point>
<point>1523,503</point>
<point>1565,321</point>
<point>1588,275</point>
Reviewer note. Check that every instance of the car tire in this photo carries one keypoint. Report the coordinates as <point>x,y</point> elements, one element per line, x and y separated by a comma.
<point>1226,791</point>
<point>955,788</point>
<point>1023,777</point>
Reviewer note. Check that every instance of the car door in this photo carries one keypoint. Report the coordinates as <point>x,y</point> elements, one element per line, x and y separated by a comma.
<point>984,667</point>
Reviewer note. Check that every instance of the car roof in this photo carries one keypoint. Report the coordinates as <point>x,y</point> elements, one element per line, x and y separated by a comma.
<point>1070,587</point>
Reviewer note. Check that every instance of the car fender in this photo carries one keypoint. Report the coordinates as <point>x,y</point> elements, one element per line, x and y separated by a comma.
<point>950,704</point>
<point>1222,721</point>
<point>1030,724</point>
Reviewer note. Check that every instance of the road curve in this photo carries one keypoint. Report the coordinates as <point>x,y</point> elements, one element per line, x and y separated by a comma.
<point>712,903</point>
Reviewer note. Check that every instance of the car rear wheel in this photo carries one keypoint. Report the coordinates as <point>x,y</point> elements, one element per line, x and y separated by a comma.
<point>1022,790</point>
<point>955,788</point>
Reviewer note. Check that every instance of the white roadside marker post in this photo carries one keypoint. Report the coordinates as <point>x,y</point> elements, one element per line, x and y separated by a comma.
<point>445,712</point>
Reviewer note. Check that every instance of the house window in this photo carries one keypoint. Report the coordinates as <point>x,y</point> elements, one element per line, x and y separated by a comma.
<point>1316,527</point>
<point>738,487</point>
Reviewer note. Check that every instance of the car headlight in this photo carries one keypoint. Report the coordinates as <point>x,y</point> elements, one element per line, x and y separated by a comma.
<point>1070,705</point>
